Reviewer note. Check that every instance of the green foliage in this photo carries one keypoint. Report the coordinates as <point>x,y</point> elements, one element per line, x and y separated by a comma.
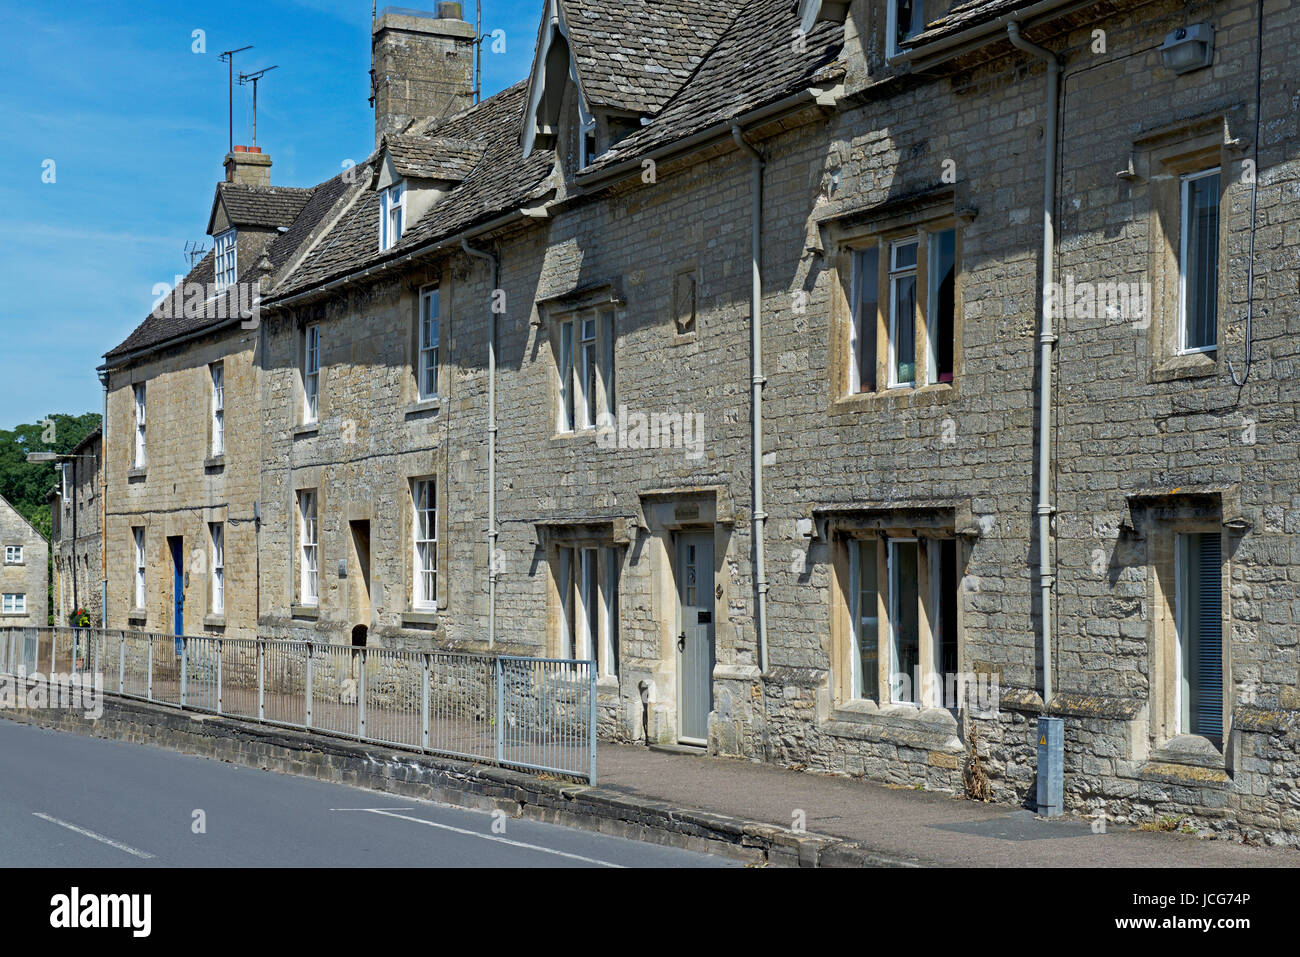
<point>26,485</point>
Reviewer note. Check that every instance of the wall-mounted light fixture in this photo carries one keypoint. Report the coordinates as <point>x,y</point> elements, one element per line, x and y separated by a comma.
<point>1188,48</point>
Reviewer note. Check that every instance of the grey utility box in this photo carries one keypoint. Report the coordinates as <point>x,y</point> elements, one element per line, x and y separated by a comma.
<point>1051,766</point>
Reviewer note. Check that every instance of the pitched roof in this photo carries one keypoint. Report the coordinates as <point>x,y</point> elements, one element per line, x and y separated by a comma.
<point>5,503</point>
<point>433,157</point>
<point>635,56</point>
<point>697,66</point>
<point>501,181</point>
<point>963,14</point>
<point>181,312</point>
<point>268,206</point>
<point>752,65</point>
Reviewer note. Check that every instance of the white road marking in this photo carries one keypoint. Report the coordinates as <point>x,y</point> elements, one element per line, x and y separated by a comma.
<point>93,836</point>
<point>487,837</point>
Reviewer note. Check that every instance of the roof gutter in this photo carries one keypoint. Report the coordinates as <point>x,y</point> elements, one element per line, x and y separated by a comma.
<point>127,358</point>
<point>441,245</point>
<point>964,41</point>
<point>813,95</point>
<point>518,215</point>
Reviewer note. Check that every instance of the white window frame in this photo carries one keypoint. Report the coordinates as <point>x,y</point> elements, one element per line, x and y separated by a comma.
<point>586,363</point>
<point>860,325</point>
<point>1184,229</point>
<point>896,273</point>
<point>308,548</point>
<point>141,399</point>
<point>424,537</point>
<point>218,372</point>
<point>311,374</point>
<point>138,535</point>
<point>891,25</point>
<point>932,258</point>
<point>895,619</point>
<point>392,215</point>
<point>14,603</point>
<point>587,151</point>
<point>217,536</point>
<point>429,337</point>
<point>857,618</point>
<point>13,554</point>
<point>589,604</point>
<point>226,262</point>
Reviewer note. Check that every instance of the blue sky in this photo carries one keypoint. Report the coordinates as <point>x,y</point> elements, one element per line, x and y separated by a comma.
<point>136,125</point>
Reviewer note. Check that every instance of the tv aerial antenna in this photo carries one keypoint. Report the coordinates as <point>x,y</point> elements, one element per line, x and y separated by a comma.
<point>228,56</point>
<point>246,78</point>
<point>194,251</point>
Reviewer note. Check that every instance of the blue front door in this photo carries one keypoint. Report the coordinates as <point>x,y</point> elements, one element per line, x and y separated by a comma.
<point>178,585</point>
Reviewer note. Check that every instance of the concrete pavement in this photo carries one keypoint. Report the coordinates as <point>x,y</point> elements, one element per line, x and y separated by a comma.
<point>911,826</point>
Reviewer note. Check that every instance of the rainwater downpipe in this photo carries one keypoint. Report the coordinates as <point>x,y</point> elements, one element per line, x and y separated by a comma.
<point>757,383</point>
<point>492,434</point>
<point>103,507</point>
<point>1046,340</point>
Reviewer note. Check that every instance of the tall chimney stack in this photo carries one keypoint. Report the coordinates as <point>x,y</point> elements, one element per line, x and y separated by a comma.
<point>248,166</point>
<point>422,65</point>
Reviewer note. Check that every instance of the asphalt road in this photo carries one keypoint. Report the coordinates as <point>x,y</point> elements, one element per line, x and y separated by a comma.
<point>71,801</point>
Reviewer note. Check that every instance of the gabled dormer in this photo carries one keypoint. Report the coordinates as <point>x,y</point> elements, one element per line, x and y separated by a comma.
<point>414,174</point>
<point>248,213</point>
<point>875,31</point>
<point>552,83</point>
<point>604,68</point>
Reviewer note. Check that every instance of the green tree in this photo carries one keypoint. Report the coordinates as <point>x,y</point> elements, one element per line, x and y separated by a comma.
<point>25,485</point>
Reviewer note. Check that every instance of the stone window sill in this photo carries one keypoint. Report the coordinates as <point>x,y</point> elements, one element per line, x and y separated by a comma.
<point>214,621</point>
<point>306,612</point>
<point>1189,749</point>
<point>586,432</point>
<point>13,614</point>
<point>607,684</point>
<point>214,462</point>
<point>306,431</point>
<point>934,729</point>
<point>426,618</point>
<point>136,474</point>
<point>1194,365</point>
<point>423,407</point>
<point>895,400</point>
<point>137,616</point>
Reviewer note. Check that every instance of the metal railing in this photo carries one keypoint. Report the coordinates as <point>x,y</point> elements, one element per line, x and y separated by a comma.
<point>537,714</point>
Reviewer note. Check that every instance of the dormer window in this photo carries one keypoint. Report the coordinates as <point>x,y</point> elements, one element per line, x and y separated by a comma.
<point>226,266</point>
<point>392,215</point>
<point>906,20</point>
<point>587,148</point>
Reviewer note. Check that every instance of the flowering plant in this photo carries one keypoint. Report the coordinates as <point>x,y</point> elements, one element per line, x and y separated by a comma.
<point>80,618</point>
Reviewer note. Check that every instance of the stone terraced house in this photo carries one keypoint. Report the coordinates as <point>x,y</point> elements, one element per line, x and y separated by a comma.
<point>817,368</point>
<point>76,533</point>
<point>24,570</point>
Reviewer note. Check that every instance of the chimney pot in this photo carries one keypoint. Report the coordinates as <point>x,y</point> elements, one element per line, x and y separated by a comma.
<point>248,166</point>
